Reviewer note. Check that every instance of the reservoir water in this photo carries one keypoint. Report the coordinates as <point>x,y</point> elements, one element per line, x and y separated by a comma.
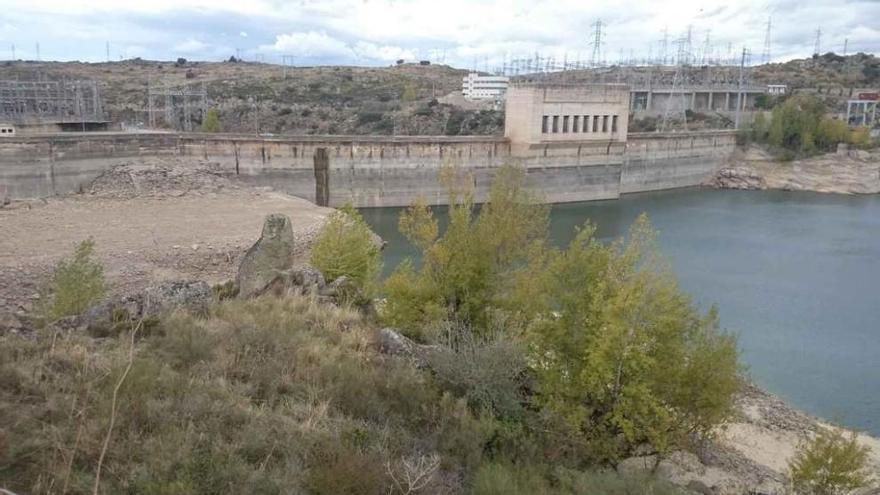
<point>795,275</point>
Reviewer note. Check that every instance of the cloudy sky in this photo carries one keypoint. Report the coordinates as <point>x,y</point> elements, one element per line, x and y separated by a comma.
<point>462,33</point>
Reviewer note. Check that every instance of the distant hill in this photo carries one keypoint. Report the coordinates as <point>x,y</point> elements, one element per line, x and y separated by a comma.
<point>400,99</point>
<point>829,70</point>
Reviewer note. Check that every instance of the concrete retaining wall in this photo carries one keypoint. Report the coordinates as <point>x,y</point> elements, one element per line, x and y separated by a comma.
<point>668,161</point>
<point>373,170</point>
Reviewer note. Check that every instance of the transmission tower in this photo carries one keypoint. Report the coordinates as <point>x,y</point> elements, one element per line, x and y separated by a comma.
<point>664,45</point>
<point>598,41</point>
<point>707,48</point>
<point>818,45</point>
<point>765,57</point>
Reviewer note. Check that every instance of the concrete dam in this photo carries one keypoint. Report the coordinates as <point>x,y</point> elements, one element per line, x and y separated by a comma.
<point>572,141</point>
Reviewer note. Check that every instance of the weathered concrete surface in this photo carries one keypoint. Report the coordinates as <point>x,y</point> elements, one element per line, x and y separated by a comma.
<point>655,161</point>
<point>374,170</point>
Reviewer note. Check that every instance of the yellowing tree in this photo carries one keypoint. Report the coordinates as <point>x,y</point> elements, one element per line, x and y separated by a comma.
<point>621,353</point>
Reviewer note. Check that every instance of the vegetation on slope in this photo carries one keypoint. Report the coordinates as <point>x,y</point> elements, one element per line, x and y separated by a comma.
<point>545,367</point>
<point>799,126</point>
<point>251,96</point>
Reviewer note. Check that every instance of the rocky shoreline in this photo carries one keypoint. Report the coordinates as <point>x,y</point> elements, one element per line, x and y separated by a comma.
<point>844,172</point>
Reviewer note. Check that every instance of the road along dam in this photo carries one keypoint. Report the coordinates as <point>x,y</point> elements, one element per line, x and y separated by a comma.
<point>572,140</point>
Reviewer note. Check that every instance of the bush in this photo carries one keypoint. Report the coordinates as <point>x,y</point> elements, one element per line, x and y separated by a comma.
<point>369,117</point>
<point>346,246</point>
<point>465,271</point>
<point>487,370</point>
<point>830,464</point>
<point>212,121</point>
<point>76,284</point>
<point>626,358</point>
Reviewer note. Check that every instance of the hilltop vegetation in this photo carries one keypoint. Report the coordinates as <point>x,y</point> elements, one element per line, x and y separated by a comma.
<point>403,99</point>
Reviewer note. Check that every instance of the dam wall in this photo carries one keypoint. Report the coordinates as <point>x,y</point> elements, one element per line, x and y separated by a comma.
<point>655,161</point>
<point>372,170</point>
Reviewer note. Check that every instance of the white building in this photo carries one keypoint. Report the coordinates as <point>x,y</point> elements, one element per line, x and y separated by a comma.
<point>776,89</point>
<point>477,87</point>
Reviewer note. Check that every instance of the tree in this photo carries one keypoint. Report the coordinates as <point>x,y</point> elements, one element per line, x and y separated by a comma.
<point>212,121</point>
<point>347,247</point>
<point>830,464</point>
<point>76,283</point>
<point>467,271</point>
<point>621,353</point>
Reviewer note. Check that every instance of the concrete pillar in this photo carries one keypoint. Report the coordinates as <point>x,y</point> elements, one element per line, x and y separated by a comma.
<point>710,101</point>
<point>648,106</point>
<point>694,100</point>
<point>727,101</point>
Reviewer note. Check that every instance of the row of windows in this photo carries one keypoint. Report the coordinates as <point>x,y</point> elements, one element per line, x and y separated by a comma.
<point>7,130</point>
<point>578,123</point>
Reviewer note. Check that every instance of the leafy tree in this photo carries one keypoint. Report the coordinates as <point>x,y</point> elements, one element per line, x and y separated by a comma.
<point>346,246</point>
<point>212,121</point>
<point>830,464</point>
<point>621,353</point>
<point>468,269</point>
<point>76,283</point>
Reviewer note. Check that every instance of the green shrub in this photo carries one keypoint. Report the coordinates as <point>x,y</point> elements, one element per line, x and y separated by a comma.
<point>626,358</point>
<point>212,121</point>
<point>346,246</point>
<point>466,270</point>
<point>830,464</point>
<point>488,369</point>
<point>502,479</point>
<point>76,284</point>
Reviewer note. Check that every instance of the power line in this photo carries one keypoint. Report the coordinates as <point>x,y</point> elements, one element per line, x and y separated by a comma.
<point>817,47</point>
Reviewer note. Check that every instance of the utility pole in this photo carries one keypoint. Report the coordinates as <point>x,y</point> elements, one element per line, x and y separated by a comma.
<point>13,51</point>
<point>38,51</point>
<point>818,46</point>
<point>739,93</point>
<point>664,44</point>
<point>107,46</point>
<point>845,43</point>
<point>765,57</point>
<point>286,61</point>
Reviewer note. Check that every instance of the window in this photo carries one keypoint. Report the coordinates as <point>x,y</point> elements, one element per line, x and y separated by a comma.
<point>555,124</point>
<point>565,123</point>
<point>544,124</point>
<point>575,124</point>
<point>586,124</point>
<point>604,123</point>
<point>595,123</point>
<point>614,123</point>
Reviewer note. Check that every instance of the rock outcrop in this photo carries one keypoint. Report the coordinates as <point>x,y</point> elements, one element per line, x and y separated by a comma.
<point>111,315</point>
<point>745,178</point>
<point>271,254</point>
<point>845,172</point>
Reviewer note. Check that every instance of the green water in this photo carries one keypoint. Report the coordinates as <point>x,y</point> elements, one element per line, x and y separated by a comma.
<point>795,275</point>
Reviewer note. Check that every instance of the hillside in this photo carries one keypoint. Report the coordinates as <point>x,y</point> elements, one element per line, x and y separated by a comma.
<point>403,99</point>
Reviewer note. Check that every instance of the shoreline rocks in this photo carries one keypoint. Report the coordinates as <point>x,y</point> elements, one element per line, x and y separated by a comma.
<point>845,172</point>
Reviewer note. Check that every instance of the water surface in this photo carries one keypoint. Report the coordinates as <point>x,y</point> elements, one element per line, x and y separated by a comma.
<point>795,275</point>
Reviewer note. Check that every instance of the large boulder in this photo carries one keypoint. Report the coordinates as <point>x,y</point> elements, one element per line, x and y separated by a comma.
<point>112,315</point>
<point>271,254</point>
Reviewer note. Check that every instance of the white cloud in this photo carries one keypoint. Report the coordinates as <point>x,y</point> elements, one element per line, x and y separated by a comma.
<point>384,53</point>
<point>311,44</point>
<point>243,34</point>
<point>190,46</point>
